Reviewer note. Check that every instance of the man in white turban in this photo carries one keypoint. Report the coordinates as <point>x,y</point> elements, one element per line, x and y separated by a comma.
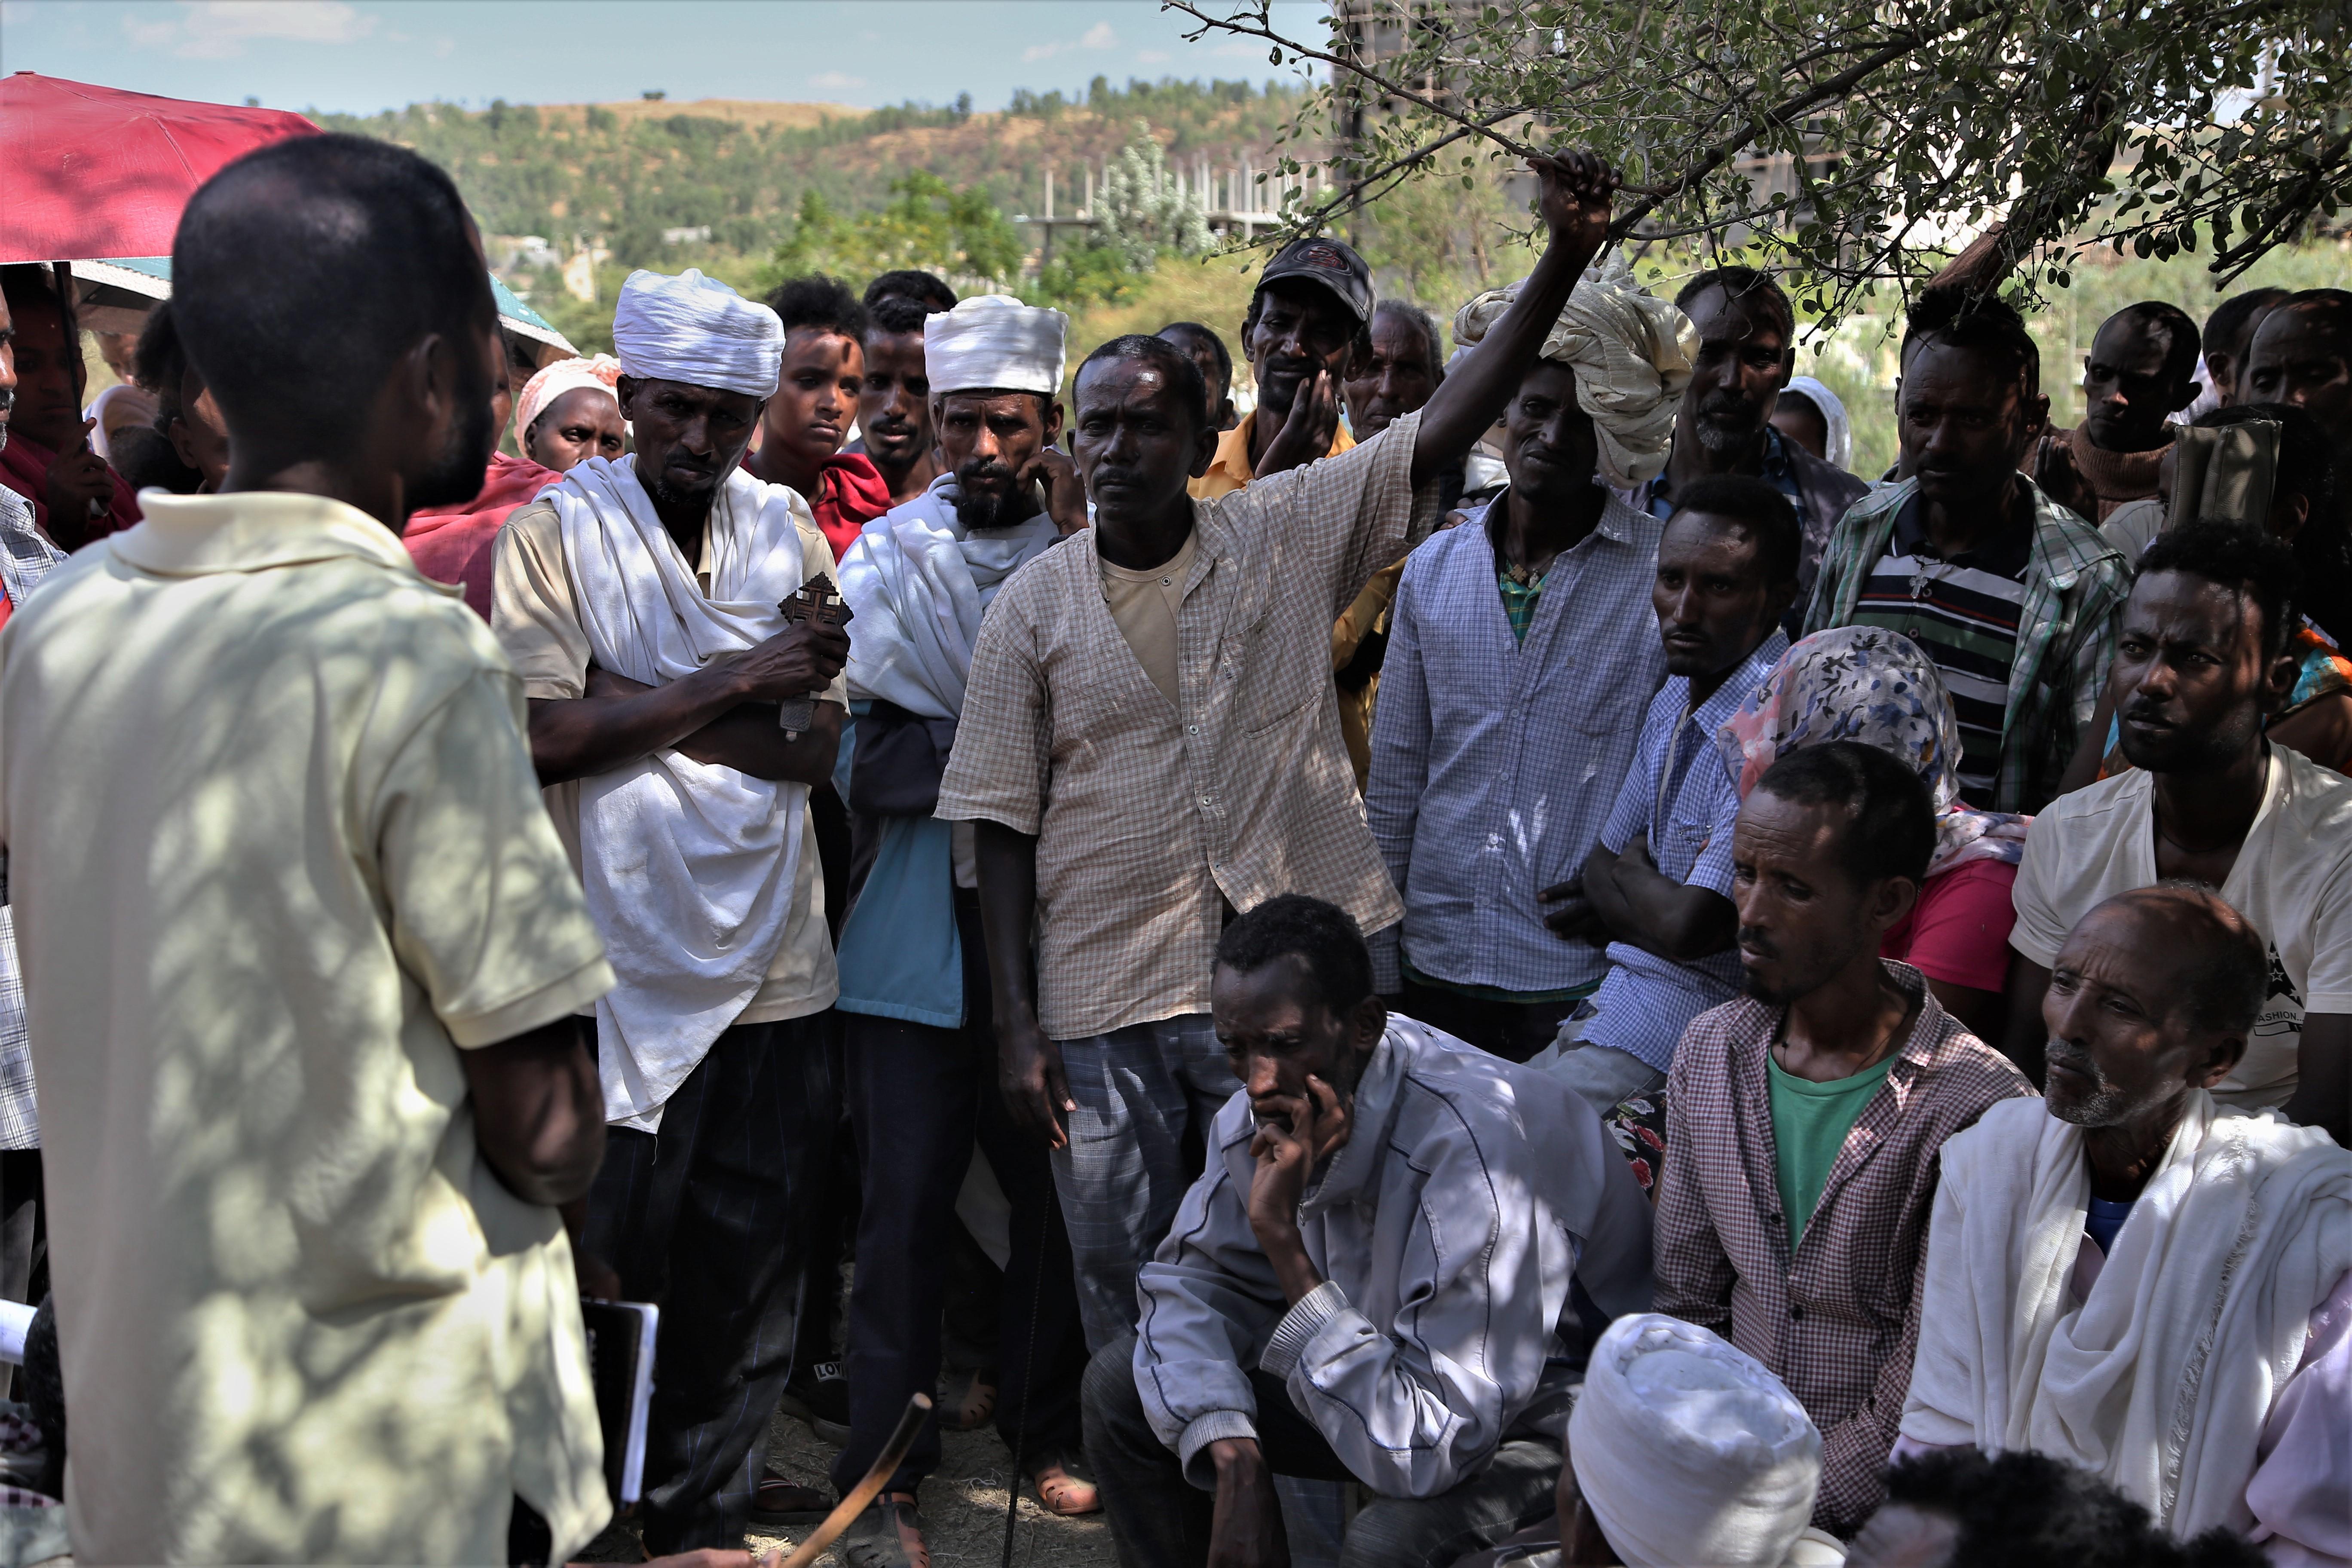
<point>639,600</point>
<point>1502,739</point>
<point>1684,1449</point>
<point>921,1045</point>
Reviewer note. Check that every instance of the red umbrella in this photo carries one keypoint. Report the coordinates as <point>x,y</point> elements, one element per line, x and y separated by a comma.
<point>94,172</point>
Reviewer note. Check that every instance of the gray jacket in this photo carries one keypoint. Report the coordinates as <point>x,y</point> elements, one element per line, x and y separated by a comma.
<point>1446,1231</point>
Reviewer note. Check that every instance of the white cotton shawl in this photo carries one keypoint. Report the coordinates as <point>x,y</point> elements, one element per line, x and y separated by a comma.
<point>2162,1380</point>
<point>689,868</point>
<point>917,583</point>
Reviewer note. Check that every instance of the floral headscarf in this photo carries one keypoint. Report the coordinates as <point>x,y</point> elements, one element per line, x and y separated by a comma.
<point>1860,683</point>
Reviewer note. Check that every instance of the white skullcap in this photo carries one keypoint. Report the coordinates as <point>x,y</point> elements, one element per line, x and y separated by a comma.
<point>696,330</point>
<point>564,375</point>
<point>1631,352</point>
<point>1838,448</point>
<point>1688,1451</point>
<point>995,339</point>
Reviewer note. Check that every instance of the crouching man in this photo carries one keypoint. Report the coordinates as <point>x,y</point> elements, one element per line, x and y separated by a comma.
<point>1373,1281</point>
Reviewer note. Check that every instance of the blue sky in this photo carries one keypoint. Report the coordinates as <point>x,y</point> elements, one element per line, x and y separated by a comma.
<point>361,56</point>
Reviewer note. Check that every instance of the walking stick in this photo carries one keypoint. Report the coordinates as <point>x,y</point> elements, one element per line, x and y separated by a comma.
<point>918,1410</point>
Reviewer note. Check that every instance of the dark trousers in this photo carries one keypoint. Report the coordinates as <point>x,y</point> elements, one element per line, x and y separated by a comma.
<point>918,1098</point>
<point>1511,1030</point>
<point>1160,1519</point>
<point>703,1219</point>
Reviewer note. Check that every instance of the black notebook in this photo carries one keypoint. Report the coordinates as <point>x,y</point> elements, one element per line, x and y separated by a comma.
<point>621,1363</point>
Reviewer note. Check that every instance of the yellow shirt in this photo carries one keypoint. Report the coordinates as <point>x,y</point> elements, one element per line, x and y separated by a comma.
<point>1230,469</point>
<point>278,857</point>
<point>535,615</point>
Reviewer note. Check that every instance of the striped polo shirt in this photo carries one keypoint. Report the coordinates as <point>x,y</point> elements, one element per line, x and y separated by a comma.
<point>1963,613</point>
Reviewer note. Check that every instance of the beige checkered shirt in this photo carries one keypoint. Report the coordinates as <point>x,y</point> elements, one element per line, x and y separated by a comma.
<point>1151,818</point>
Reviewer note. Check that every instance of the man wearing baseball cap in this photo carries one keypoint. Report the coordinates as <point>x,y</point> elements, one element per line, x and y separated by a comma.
<point>1312,311</point>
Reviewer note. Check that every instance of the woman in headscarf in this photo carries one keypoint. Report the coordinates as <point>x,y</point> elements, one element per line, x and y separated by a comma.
<point>569,412</point>
<point>1861,683</point>
<point>1811,415</point>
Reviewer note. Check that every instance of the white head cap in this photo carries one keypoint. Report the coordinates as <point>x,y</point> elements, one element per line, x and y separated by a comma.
<point>1688,1451</point>
<point>995,340</point>
<point>696,330</point>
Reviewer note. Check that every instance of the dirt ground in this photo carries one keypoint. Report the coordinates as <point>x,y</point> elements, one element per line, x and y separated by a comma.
<point>962,1505</point>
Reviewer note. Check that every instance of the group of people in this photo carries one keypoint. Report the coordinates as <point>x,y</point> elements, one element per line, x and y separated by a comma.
<point>1502,959</point>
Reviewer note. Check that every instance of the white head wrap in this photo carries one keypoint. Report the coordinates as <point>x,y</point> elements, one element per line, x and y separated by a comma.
<point>1839,447</point>
<point>995,340</point>
<point>1631,352</point>
<point>696,330</point>
<point>564,375</point>
<point>1688,1451</point>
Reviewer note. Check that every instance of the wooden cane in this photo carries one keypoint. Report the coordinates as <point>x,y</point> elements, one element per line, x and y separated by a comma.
<point>918,1410</point>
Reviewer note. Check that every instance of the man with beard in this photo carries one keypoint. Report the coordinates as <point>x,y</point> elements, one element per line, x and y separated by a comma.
<point>303,952</point>
<point>641,602</point>
<point>919,1045</point>
<point>1308,321</point>
<point>1803,1118</point>
<point>2141,370</point>
<point>1372,1281</point>
<point>2139,1281</point>
<point>1522,651</point>
<point>2013,597</point>
<point>48,460</point>
<point>2203,662</point>
<point>1747,349</point>
<point>893,407</point>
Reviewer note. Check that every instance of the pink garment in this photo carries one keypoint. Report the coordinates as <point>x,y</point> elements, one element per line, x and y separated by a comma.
<point>452,543</point>
<point>2302,1467</point>
<point>1959,931</point>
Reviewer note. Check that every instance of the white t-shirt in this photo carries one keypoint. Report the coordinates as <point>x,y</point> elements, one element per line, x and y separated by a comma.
<point>2293,881</point>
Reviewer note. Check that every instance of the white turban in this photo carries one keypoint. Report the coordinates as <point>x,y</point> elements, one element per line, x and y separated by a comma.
<point>1631,352</point>
<point>1688,1451</point>
<point>696,330</point>
<point>995,340</point>
<point>564,375</point>
<point>1838,447</point>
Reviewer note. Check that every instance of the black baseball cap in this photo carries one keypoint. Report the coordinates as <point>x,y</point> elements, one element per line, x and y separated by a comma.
<point>1328,262</point>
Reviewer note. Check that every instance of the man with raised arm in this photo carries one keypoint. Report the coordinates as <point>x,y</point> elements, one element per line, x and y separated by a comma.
<point>1149,741</point>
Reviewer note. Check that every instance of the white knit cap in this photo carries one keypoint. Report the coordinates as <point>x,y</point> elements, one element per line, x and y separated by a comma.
<point>1632,353</point>
<point>995,340</point>
<point>1687,1450</point>
<point>553,380</point>
<point>696,330</point>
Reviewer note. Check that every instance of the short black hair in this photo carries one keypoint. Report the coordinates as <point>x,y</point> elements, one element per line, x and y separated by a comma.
<point>1225,355</point>
<point>2307,466</point>
<point>820,302</point>
<point>1359,347</point>
<point>1891,825</point>
<point>2025,1510</point>
<point>2180,344</point>
<point>303,271</point>
<point>1961,321</point>
<point>1425,324</point>
<point>159,362</point>
<point>24,283</point>
<point>1738,282</point>
<point>898,314</point>
<point>1322,936</point>
<point>2241,556</point>
<point>1184,376</point>
<point>2231,324</point>
<point>1779,537</point>
<point>911,283</point>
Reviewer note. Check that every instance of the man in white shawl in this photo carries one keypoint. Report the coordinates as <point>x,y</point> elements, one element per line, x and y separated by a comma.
<point>640,601</point>
<point>2138,1280</point>
<point>920,1047</point>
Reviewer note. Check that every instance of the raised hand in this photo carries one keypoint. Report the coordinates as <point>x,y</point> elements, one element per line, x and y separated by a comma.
<point>1306,434</point>
<point>1577,188</point>
<point>79,488</point>
<point>1066,488</point>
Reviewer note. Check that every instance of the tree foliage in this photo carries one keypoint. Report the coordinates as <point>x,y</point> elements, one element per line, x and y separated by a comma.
<point>928,223</point>
<point>1140,211</point>
<point>1901,127</point>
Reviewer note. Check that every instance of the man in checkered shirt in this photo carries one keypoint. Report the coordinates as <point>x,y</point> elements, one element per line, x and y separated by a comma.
<point>1803,1120</point>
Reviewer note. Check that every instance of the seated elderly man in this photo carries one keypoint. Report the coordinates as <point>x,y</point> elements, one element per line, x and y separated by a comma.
<point>1373,1281</point>
<point>2134,1279</point>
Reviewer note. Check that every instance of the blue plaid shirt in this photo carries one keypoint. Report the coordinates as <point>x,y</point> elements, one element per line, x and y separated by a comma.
<point>1494,760</point>
<point>1646,1002</point>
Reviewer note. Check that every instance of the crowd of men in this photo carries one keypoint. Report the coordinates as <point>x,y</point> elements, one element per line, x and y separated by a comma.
<point>1496,959</point>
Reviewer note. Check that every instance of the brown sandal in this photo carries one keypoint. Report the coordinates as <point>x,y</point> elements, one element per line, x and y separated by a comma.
<point>1062,1492</point>
<point>778,1501</point>
<point>967,1402</point>
<point>888,1534</point>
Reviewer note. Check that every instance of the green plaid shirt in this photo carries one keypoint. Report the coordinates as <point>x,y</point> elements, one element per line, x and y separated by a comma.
<point>1521,592</point>
<point>2075,585</point>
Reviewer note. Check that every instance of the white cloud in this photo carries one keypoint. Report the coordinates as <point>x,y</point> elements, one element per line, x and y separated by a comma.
<point>220,30</point>
<point>1152,57</point>
<point>836,82</point>
<point>1098,36</point>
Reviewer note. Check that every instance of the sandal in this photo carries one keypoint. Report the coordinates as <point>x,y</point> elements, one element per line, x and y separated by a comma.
<point>778,1501</point>
<point>1062,1491</point>
<point>888,1534</point>
<point>968,1401</point>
